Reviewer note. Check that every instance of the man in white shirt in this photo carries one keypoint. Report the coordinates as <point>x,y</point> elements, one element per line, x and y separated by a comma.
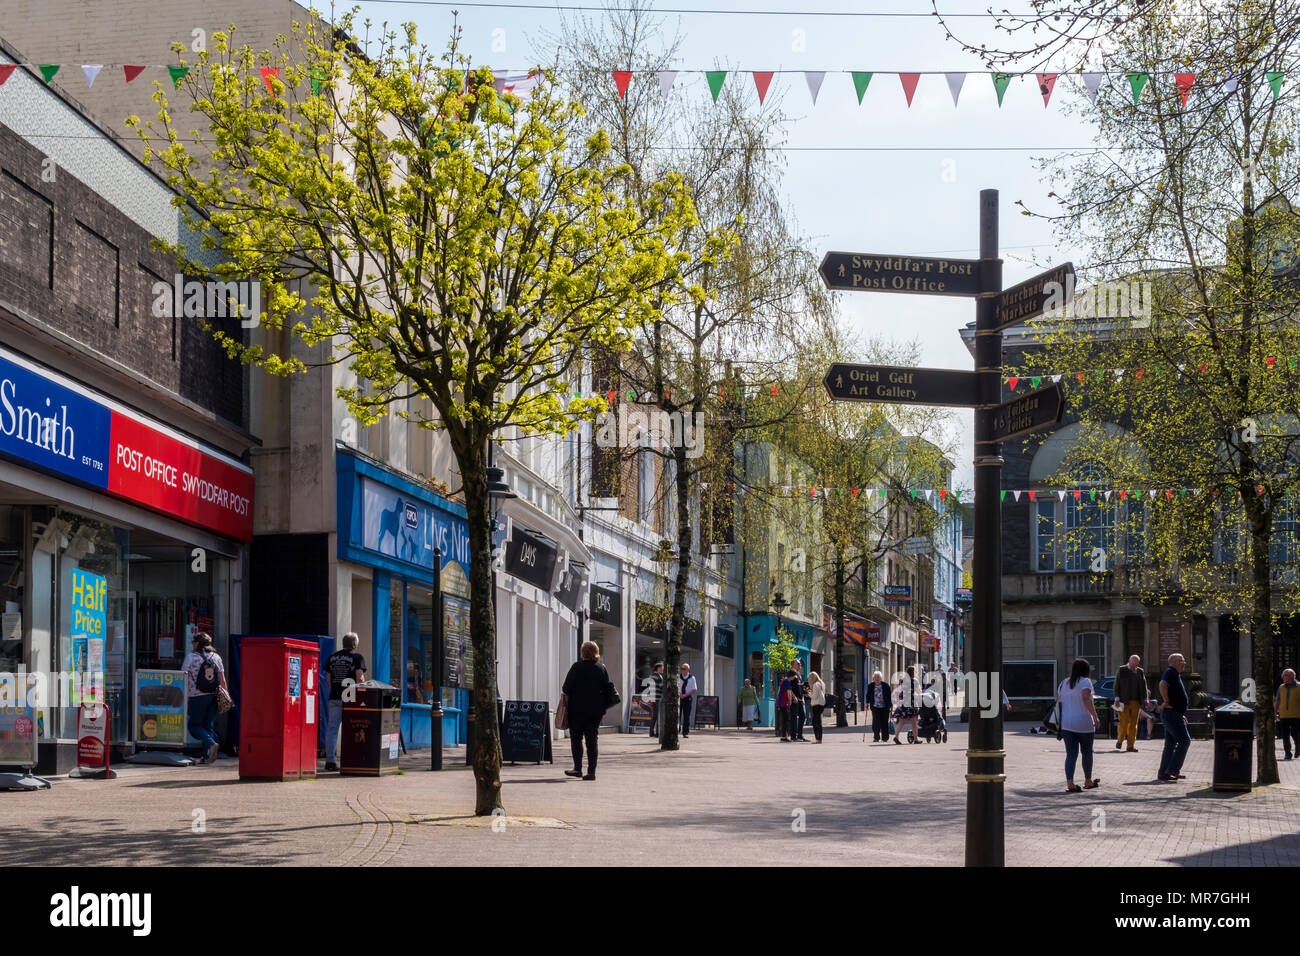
<point>688,698</point>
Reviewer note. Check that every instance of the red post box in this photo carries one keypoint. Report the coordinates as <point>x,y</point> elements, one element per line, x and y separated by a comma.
<point>279,690</point>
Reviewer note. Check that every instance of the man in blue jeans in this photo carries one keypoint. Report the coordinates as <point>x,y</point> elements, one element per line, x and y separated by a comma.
<point>341,667</point>
<point>1173,716</point>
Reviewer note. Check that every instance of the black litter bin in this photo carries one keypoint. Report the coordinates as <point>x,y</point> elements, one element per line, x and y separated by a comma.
<point>1234,731</point>
<point>371,735</point>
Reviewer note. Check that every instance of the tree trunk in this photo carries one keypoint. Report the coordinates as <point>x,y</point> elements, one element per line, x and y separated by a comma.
<point>1261,629</point>
<point>670,709</point>
<point>483,632</point>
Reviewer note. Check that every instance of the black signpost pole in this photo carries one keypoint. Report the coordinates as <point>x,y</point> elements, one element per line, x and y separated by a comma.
<point>435,710</point>
<point>985,758</point>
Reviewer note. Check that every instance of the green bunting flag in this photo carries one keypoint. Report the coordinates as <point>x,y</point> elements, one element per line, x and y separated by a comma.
<point>1137,81</point>
<point>1035,380</point>
<point>1002,496</point>
<point>1000,83</point>
<point>860,82</point>
<point>1275,81</point>
<point>318,78</point>
<point>177,74</point>
<point>48,70</point>
<point>715,82</point>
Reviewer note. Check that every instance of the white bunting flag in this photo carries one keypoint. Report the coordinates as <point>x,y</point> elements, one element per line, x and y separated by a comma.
<point>1230,84</point>
<point>928,493</point>
<point>1151,492</point>
<point>1093,83</point>
<point>814,80</point>
<point>1015,495</point>
<point>1060,496</point>
<point>1055,378</point>
<point>1119,373</point>
<point>666,78</point>
<point>955,80</point>
<point>91,70</point>
<point>1107,494</point>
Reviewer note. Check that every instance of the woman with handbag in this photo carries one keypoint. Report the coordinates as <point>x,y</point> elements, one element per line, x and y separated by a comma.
<point>1077,721</point>
<point>588,693</point>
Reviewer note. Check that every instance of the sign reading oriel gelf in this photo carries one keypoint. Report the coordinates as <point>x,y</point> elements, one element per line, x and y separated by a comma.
<point>913,386</point>
<point>873,272</point>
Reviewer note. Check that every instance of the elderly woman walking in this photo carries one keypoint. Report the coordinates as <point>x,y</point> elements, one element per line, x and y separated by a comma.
<point>586,688</point>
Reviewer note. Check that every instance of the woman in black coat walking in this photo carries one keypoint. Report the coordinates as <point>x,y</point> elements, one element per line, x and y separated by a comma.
<point>586,687</point>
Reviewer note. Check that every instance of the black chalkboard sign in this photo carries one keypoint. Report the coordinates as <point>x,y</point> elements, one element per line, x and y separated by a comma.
<point>706,711</point>
<point>526,732</point>
<point>1033,680</point>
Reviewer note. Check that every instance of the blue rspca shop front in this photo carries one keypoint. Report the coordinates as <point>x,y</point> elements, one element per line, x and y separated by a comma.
<point>760,631</point>
<point>391,525</point>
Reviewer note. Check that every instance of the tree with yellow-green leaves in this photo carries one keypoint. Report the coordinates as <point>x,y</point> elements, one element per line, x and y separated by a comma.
<point>441,239</point>
<point>1182,360</point>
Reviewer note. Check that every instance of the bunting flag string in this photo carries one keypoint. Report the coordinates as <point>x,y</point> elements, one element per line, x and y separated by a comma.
<point>1183,82</point>
<point>1157,373</point>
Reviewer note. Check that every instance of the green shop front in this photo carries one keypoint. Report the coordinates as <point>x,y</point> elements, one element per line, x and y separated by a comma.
<point>392,525</point>
<point>760,631</point>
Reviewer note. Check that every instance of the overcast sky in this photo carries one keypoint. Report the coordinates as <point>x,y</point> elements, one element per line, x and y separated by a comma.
<point>897,180</point>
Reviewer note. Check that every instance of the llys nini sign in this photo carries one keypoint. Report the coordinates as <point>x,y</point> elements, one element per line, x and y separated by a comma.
<point>60,428</point>
<point>408,529</point>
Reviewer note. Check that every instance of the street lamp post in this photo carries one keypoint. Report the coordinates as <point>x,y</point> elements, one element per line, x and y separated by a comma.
<point>498,491</point>
<point>779,603</point>
<point>435,709</point>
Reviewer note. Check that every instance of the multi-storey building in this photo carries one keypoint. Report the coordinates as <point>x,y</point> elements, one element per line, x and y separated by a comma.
<point>124,430</point>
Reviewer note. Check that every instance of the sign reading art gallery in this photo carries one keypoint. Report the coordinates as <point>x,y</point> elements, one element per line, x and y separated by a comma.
<point>55,425</point>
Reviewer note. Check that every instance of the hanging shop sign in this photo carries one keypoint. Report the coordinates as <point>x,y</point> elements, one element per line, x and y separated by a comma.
<point>724,642</point>
<point>55,425</point>
<point>531,558</point>
<point>606,605</point>
<point>898,594</point>
<point>572,583</point>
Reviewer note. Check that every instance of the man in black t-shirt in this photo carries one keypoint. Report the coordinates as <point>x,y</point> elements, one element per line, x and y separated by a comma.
<point>340,668</point>
<point>1173,715</point>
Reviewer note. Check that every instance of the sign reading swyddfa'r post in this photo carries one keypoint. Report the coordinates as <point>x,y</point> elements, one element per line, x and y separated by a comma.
<point>1020,416</point>
<point>872,272</point>
<point>909,386</point>
<point>1027,300</point>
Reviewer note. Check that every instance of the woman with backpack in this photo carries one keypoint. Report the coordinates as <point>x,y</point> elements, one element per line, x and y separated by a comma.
<point>204,675</point>
<point>588,693</point>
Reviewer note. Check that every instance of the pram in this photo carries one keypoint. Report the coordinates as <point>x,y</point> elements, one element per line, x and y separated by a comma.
<point>931,724</point>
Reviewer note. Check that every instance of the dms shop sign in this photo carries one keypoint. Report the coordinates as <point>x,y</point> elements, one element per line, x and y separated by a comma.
<point>62,429</point>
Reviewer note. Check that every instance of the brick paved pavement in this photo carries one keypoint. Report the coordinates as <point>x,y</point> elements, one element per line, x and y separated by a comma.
<point>731,796</point>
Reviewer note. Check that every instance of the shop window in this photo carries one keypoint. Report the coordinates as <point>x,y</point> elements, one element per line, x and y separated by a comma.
<point>396,656</point>
<point>419,644</point>
<point>12,548</point>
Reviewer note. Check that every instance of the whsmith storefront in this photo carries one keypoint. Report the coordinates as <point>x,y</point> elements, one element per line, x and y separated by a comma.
<point>98,499</point>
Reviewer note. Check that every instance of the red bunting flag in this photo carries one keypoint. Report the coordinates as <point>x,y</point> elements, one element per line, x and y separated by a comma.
<point>621,80</point>
<point>855,492</point>
<point>1079,376</point>
<point>132,72</point>
<point>1202,368</point>
<point>1077,493</point>
<point>609,396</point>
<point>1122,494</point>
<point>909,84</point>
<point>943,493</point>
<point>761,83</point>
<point>1270,361</point>
<point>1012,381</point>
<point>1138,374</point>
<point>774,391</point>
<point>812,492</point>
<point>1168,493</point>
<point>6,70</point>
<point>269,73</point>
<point>1184,82</point>
<point>1032,492</point>
<point>1259,490</point>
<point>1046,83</point>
